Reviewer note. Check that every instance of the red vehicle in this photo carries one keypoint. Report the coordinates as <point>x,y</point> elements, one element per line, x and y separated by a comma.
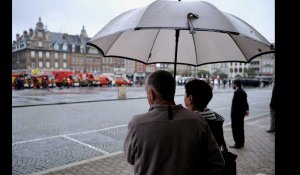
<point>104,80</point>
<point>14,79</point>
<point>86,79</point>
<point>63,78</point>
<point>75,80</point>
<point>40,81</point>
<point>18,81</point>
<point>122,81</point>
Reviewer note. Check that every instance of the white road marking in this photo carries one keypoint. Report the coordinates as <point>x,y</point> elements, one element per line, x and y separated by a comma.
<point>87,132</point>
<point>33,140</point>
<point>77,133</point>
<point>112,127</point>
<point>84,144</point>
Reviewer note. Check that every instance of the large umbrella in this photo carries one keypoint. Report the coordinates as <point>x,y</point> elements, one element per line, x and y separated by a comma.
<point>190,33</point>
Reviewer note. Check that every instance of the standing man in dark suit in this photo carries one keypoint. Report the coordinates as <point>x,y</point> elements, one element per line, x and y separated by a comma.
<point>273,109</point>
<point>239,109</point>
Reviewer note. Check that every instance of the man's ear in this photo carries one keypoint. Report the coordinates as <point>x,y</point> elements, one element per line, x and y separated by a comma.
<point>151,95</point>
<point>190,99</point>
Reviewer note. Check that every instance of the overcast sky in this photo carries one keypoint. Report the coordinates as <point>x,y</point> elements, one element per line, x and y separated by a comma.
<point>68,16</point>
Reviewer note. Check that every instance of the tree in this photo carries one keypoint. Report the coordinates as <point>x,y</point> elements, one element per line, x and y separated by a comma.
<point>203,73</point>
<point>250,72</point>
<point>221,74</point>
<point>186,73</point>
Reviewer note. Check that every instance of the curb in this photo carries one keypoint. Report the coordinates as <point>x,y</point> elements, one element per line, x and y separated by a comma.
<point>77,163</point>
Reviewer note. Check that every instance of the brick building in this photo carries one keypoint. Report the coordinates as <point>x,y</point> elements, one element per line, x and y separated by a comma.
<point>46,51</point>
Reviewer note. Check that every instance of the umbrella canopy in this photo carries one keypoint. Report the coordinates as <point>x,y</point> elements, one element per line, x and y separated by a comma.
<point>191,33</point>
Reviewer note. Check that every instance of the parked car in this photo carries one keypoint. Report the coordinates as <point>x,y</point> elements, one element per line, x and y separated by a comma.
<point>122,81</point>
<point>104,80</point>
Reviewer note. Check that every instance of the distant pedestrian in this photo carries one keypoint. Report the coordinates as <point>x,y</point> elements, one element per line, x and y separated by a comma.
<point>239,109</point>
<point>273,108</point>
<point>170,139</point>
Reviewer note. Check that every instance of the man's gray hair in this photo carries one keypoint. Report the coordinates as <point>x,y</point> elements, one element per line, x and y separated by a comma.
<point>163,84</point>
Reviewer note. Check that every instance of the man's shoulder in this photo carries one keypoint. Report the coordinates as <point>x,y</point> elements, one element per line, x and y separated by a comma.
<point>154,116</point>
<point>240,91</point>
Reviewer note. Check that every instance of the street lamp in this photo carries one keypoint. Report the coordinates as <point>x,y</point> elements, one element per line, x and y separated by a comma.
<point>17,63</point>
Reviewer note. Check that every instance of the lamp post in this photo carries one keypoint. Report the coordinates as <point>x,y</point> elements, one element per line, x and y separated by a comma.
<point>17,63</point>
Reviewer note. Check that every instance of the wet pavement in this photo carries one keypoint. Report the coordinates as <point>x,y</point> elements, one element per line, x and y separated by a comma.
<point>45,137</point>
<point>32,97</point>
<point>256,158</point>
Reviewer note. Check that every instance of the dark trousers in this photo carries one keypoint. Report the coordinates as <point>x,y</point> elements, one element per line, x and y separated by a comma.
<point>237,126</point>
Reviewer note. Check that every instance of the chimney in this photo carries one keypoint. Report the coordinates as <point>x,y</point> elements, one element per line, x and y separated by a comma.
<point>17,36</point>
<point>65,36</point>
<point>30,32</point>
<point>25,33</point>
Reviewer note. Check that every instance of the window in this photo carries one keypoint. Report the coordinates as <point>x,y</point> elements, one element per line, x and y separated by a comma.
<point>32,54</point>
<point>40,54</point>
<point>240,64</point>
<point>21,45</point>
<point>235,70</point>
<point>47,55</point>
<point>56,47</point>
<point>32,64</point>
<point>40,34</point>
<point>65,56</point>
<point>40,44</point>
<point>56,56</point>
<point>73,48</point>
<point>235,64</point>
<point>65,47</point>
<point>65,65</point>
<point>40,64</point>
<point>81,49</point>
<point>56,64</point>
<point>231,70</point>
<point>240,70</point>
<point>48,64</point>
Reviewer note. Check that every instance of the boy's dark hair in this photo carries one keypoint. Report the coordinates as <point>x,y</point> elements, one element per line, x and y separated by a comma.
<point>200,91</point>
<point>238,83</point>
<point>163,83</point>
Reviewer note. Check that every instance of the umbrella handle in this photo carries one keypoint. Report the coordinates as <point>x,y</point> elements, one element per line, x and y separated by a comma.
<point>190,24</point>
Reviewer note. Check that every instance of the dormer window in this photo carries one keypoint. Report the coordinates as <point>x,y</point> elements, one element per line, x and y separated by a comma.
<point>56,47</point>
<point>73,48</point>
<point>93,50</point>
<point>65,46</point>
<point>21,45</point>
<point>81,49</point>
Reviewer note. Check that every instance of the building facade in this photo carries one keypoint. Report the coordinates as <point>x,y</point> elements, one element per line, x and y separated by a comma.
<point>46,51</point>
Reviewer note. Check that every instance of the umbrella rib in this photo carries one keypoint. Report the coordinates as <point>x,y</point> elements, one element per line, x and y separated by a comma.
<point>195,49</point>
<point>238,47</point>
<point>152,46</point>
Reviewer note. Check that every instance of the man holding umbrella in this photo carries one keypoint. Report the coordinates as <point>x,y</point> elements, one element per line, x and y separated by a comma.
<point>170,139</point>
